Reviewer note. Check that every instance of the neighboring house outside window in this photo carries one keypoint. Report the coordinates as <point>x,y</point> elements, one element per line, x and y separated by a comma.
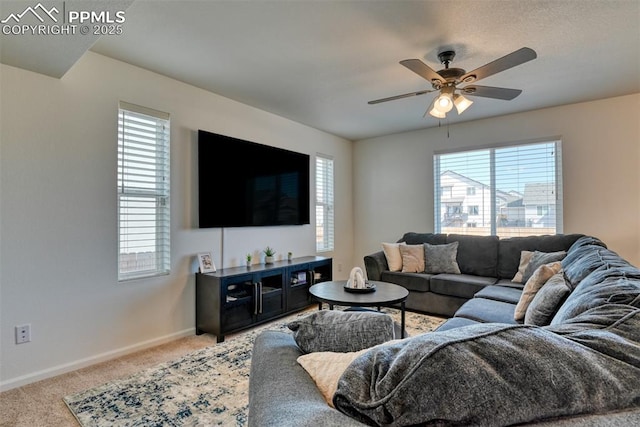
<point>143,192</point>
<point>324,204</point>
<point>510,190</point>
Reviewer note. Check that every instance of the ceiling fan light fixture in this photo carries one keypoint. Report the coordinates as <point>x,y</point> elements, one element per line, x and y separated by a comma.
<point>437,114</point>
<point>461,103</point>
<point>444,102</point>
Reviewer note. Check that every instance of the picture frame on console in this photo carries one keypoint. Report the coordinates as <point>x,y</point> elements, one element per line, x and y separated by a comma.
<point>206,263</point>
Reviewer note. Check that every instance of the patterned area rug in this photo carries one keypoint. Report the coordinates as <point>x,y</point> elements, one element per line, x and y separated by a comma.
<point>207,387</point>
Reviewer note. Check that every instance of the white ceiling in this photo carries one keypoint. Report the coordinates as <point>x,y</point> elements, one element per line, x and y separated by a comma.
<point>319,62</point>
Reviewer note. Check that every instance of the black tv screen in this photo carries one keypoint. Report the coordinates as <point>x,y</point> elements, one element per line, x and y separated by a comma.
<point>245,184</point>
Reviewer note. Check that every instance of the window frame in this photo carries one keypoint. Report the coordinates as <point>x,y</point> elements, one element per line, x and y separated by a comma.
<point>143,192</point>
<point>325,202</point>
<point>496,172</point>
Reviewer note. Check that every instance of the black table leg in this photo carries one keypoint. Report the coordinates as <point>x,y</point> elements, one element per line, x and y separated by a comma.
<point>402,319</point>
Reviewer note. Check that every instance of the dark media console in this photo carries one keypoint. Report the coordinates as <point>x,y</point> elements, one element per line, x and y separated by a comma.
<point>233,299</point>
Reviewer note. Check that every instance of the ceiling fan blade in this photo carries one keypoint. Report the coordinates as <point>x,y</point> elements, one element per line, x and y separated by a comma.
<point>491,92</point>
<point>511,60</point>
<point>423,70</point>
<point>393,98</point>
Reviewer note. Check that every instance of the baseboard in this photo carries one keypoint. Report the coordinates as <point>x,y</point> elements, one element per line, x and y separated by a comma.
<point>83,363</point>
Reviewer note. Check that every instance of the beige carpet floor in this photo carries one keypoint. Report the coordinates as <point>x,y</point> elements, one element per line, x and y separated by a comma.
<point>40,404</point>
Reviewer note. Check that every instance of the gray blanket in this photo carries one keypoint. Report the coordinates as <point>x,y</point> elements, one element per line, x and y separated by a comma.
<point>495,374</point>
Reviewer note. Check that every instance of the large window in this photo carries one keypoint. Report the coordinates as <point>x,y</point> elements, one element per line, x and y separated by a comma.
<point>517,190</point>
<point>143,192</point>
<point>324,204</point>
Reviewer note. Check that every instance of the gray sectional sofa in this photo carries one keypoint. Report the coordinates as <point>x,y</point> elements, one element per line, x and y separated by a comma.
<point>481,367</point>
<point>483,261</point>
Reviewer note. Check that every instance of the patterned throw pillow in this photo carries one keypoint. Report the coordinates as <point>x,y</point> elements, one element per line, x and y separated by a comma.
<point>533,285</point>
<point>412,258</point>
<point>441,258</point>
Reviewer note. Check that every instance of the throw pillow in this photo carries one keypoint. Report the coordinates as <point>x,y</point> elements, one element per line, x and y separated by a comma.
<point>525,257</point>
<point>341,331</point>
<point>326,368</point>
<point>393,256</point>
<point>540,258</point>
<point>533,285</point>
<point>547,301</point>
<point>412,258</point>
<point>441,258</point>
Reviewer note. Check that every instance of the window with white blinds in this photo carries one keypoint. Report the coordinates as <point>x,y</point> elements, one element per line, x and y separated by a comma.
<point>143,192</point>
<point>506,191</point>
<point>324,204</point>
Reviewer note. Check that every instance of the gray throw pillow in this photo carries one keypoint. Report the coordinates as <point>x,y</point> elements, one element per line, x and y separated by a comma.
<point>540,258</point>
<point>342,331</point>
<point>547,301</point>
<point>441,258</point>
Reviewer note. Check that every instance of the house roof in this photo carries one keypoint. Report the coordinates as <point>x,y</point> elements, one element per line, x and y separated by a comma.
<point>539,193</point>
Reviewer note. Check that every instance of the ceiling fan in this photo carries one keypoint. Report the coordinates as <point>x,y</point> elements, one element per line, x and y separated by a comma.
<point>447,80</point>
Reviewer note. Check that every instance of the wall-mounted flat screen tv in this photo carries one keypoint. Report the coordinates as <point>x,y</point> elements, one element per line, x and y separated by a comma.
<point>246,184</point>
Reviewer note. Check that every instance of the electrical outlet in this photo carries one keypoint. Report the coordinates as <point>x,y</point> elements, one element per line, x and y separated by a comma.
<point>23,334</point>
<point>339,267</point>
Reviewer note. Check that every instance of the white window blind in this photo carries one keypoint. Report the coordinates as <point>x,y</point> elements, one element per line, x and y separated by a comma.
<point>143,192</point>
<point>324,204</point>
<point>518,190</point>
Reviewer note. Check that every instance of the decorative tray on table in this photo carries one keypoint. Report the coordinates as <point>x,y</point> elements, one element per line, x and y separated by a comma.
<point>369,287</point>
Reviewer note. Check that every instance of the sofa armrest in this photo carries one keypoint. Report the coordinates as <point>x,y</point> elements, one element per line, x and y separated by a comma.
<point>375,264</point>
<point>281,392</point>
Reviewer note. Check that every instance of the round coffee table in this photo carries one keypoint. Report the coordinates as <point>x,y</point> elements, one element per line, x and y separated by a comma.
<point>385,295</point>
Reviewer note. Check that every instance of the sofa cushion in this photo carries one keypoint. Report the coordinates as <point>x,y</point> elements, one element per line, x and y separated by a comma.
<point>459,285</point>
<point>412,258</point>
<point>547,301</point>
<point>585,259</point>
<point>500,293</point>
<point>412,238</point>
<point>509,250</point>
<point>606,286</point>
<point>487,311</point>
<point>455,322</point>
<point>491,374</point>
<point>441,258</point>
<point>533,285</point>
<point>477,255</point>
<point>341,331</point>
<point>415,282</point>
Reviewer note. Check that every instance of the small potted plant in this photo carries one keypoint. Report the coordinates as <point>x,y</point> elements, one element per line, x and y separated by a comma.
<point>269,252</point>
<point>248,257</point>
<point>289,256</point>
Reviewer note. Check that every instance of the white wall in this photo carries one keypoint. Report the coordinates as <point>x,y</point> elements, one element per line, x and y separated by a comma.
<point>393,181</point>
<point>58,246</point>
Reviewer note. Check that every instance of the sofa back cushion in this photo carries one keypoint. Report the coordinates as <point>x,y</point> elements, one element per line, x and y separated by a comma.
<point>509,250</point>
<point>617,285</point>
<point>477,255</point>
<point>412,238</point>
<point>583,260</point>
